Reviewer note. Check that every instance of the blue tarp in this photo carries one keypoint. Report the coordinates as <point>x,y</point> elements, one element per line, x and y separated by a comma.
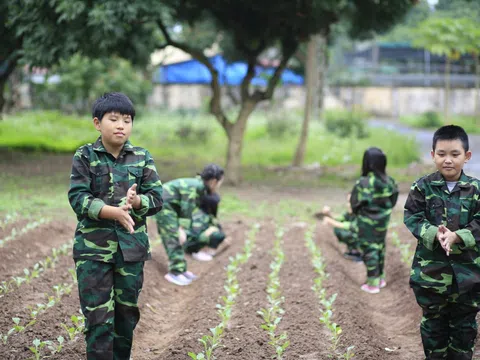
<point>194,72</point>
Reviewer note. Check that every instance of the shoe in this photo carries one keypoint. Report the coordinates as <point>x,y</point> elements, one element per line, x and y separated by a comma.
<point>202,256</point>
<point>357,257</point>
<point>190,276</point>
<point>370,289</point>
<point>178,279</point>
<point>383,283</point>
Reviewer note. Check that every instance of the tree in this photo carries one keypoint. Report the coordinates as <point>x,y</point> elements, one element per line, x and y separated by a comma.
<point>252,27</point>
<point>41,33</point>
<point>444,37</point>
<point>472,40</point>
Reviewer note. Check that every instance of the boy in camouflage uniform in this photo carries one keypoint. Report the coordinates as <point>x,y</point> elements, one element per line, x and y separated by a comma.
<point>443,212</point>
<point>205,234</point>
<point>114,186</point>
<point>181,198</point>
<point>373,198</point>
<point>345,229</point>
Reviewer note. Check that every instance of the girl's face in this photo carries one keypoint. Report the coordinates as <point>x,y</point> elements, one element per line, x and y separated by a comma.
<point>214,185</point>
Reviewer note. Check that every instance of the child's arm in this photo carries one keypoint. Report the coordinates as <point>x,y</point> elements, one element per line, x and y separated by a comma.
<point>148,198</point>
<point>200,223</point>
<point>361,195</point>
<point>335,223</point>
<point>470,234</point>
<point>80,195</point>
<point>415,219</point>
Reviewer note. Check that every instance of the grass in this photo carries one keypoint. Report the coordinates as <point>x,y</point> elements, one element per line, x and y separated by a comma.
<point>433,120</point>
<point>197,139</point>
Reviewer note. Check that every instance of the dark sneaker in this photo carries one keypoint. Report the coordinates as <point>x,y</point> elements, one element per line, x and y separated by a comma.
<point>354,256</point>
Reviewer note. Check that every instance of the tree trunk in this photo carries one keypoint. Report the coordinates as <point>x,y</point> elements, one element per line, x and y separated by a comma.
<point>322,51</point>
<point>447,90</point>
<point>477,86</point>
<point>310,72</point>
<point>3,82</point>
<point>235,135</point>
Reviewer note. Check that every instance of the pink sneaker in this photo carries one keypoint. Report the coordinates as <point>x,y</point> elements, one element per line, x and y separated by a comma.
<point>370,289</point>
<point>383,283</point>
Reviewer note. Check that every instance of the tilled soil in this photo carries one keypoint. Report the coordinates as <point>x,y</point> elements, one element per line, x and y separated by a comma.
<point>380,326</point>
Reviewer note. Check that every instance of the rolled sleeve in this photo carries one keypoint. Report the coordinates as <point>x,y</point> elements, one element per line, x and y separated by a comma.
<point>95,207</point>
<point>428,237</point>
<point>467,238</point>
<point>144,206</point>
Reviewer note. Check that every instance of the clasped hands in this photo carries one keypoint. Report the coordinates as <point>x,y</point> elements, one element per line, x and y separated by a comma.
<point>447,238</point>
<point>133,201</point>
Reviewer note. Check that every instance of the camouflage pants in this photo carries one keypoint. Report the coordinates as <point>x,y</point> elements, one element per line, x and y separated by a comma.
<point>194,244</point>
<point>108,297</point>
<point>371,238</point>
<point>448,326</point>
<point>167,225</point>
<point>346,237</point>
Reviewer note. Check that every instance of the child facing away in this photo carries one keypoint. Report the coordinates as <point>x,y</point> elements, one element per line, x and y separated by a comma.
<point>443,212</point>
<point>345,229</point>
<point>181,197</point>
<point>372,200</point>
<point>114,186</point>
<point>205,237</point>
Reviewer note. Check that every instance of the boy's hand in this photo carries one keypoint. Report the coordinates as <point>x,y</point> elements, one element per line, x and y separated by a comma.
<point>447,238</point>
<point>182,235</point>
<point>133,200</point>
<point>124,218</point>
<point>326,210</point>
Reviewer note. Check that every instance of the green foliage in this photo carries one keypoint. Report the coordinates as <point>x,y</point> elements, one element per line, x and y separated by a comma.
<point>83,79</point>
<point>433,120</point>
<point>280,125</point>
<point>156,132</point>
<point>443,36</point>
<point>347,123</point>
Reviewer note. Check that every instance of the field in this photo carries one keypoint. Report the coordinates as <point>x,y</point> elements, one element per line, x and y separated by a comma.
<point>278,250</point>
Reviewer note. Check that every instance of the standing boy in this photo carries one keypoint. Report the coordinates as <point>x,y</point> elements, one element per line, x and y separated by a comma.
<point>443,213</point>
<point>114,186</point>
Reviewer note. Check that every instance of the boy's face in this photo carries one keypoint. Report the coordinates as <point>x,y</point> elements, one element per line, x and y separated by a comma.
<point>115,128</point>
<point>449,158</point>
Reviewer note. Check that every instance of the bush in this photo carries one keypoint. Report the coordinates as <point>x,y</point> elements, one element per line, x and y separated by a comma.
<point>279,125</point>
<point>431,119</point>
<point>434,120</point>
<point>189,132</point>
<point>347,123</point>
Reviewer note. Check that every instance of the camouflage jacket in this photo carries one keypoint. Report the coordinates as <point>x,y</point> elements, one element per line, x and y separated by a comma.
<point>349,221</point>
<point>183,195</point>
<point>430,204</point>
<point>201,221</point>
<point>98,179</point>
<point>372,200</point>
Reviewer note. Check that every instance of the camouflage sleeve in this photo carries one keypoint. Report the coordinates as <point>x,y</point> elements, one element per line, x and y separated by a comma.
<point>150,191</point>
<point>470,234</point>
<point>340,218</point>
<point>394,196</point>
<point>200,223</point>
<point>361,195</point>
<point>415,219</point>
<point>80,195</point>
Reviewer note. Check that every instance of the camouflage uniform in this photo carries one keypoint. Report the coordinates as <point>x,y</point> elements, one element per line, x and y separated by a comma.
<point>109,260</point>
<point>180,198</point>
<point>446,287</point>
<point>372,201</point>
<point>348,233</point>
<point>196,234</point>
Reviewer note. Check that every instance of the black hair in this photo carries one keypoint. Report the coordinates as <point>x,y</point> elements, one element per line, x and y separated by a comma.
<point>451,132</point>
<point>113,101</point>
<point>374,160</point>
<point>212,171</point>
<point>209,203</point>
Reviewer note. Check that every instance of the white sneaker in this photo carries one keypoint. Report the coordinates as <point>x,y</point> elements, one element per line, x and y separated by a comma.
<point>177,279</point>
<point>190,276</point>
<point>202,256</point>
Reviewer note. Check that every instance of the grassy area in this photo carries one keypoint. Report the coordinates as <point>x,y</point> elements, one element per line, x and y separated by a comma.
<point>433,120</point>
<point>171,137</point>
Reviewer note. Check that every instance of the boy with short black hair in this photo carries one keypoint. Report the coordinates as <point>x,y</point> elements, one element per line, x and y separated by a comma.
<point>114,186</point>
<point>443,212</point>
